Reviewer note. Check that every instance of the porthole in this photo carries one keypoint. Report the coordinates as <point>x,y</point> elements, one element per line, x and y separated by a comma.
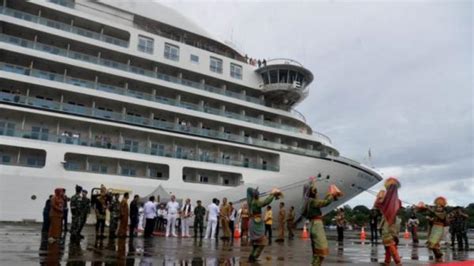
<point>33,197</point>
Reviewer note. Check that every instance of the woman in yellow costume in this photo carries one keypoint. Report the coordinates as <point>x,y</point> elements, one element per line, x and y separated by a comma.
<point>438,214</point>
<point>256,227</point>
<point>312,211</point>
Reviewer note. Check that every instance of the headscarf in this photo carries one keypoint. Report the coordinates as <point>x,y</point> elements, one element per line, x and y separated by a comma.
<point>58,192</point>
<point>441,201</point>
<point>310,190</point>
<point>389,203</point>
<point>251,193</point>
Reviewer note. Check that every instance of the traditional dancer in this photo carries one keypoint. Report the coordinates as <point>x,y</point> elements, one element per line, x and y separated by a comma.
<point>224,216</point>
<point>281,223</point>
<point>256,228</point>
<point>438,214</point>
<point>312,211</point>
<point>56,215</point>
<point>290,222</point>
<point>244,220</point>
<point>123,218</point>
<point>388,204</point>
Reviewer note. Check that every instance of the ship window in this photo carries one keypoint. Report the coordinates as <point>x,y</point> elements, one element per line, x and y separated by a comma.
<point>34,161</point>
<point>216,65</point>
<point>130,145</point>
<point>7,128</point>
<point>99,168</point>
<point>203,179</point>
<point>71,165</point>
<point>236,71</point>
<point>157,149</point>
<point>39,133</point>
<point>6,159</point>
<point>156,173</point>
<point>273,76</point>
<point>171,52</point>
<point>194,59</point>
<point>145,44</point>
<point>283,76</point>
<point>129,171</point>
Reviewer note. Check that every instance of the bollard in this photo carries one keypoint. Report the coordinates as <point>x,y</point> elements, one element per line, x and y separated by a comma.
<point>305,234</point>
<point>237,232</point>
<point>406,235</point>
<point>362,234</point>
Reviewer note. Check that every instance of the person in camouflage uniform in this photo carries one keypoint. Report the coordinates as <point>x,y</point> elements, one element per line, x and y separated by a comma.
<point>199,213</point>
<point>85,210</point>
<point>290,222</point>
<point>114,215</point>
<point>459,228</point>
<point>76,210</point>
<point>257,228</point>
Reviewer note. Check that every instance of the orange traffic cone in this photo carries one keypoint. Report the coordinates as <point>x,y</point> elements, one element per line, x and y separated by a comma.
<point>406,235</point>
<point>236,233</point>
<point>305,233</point>
<point>362,234</point>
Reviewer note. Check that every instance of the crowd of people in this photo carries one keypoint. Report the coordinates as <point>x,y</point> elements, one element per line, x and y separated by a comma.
<point>255,62</point>
<point>155,218</point>
<point>172,218</point>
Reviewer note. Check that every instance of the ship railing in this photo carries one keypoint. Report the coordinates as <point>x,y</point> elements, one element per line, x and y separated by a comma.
<point>197,85</point>
<point>62,26</point>
<point>166,151</point>
<point>66,3</point>
<point>120,90</point>
<point>147,122</point>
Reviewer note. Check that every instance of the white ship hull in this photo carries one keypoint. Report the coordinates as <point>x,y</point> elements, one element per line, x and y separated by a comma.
<point>108,86</point>
<point>19,185</point>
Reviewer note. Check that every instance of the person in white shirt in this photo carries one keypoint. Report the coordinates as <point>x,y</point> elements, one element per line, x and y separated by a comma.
<point>162,216</point>
<point>150,214</point>
<point>212,214</point>
<point>186,213</point>
<point>172,207</point>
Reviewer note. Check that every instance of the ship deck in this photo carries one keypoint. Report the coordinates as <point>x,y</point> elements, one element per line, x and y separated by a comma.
<point>22,245</point>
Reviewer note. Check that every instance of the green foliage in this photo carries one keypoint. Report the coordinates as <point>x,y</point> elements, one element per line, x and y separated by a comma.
<point>359,215</point>
<point>470,211</point>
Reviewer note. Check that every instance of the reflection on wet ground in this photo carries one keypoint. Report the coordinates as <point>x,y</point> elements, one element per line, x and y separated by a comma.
<point>24,245</point>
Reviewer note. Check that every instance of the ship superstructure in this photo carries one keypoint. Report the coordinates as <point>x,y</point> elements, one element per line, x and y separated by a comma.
<point>140,98</point>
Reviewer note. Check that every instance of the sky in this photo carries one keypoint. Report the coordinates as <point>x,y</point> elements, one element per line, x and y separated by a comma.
<point>394,77</point>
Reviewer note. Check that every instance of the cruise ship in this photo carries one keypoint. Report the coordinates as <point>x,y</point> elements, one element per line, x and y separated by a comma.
<point>137,97</point>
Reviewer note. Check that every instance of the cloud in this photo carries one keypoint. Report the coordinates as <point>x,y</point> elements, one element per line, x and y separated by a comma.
<point>392,76</point>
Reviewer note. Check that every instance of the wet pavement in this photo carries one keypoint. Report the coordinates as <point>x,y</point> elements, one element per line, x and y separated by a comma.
<point>23,245</point>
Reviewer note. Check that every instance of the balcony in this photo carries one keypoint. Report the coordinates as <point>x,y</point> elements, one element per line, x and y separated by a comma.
<point>125,67</point>
<point>130,92</point>
<point>62,26</point>
<point>149,123</point>
<point>141,148</point>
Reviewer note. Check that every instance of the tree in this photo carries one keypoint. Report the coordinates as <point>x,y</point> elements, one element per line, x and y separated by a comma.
<point>360,215</point>
<point>470,212</point>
